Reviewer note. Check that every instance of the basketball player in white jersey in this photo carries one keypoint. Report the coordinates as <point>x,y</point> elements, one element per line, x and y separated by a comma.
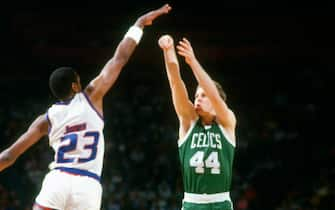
<point>74,126</point>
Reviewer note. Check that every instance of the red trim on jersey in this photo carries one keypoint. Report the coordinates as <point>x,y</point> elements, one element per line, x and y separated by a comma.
<point>75,128</point>
<point>40,207</point>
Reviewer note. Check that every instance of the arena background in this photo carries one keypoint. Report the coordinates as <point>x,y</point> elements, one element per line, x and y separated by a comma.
<point>275,60</point>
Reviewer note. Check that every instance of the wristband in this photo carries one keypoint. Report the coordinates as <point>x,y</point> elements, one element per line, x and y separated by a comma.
<point>135,33</point>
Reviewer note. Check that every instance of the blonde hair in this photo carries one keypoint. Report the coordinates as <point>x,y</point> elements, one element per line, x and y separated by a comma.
<point>220,89</point>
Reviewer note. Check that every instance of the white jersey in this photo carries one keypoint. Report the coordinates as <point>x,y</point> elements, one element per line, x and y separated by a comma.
<point>76,135</point>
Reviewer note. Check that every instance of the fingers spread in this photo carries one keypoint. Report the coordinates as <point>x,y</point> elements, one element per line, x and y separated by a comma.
<point>183,44</point>
<point>186,41</point>
<point>182,53</point>
<point>181,48</point>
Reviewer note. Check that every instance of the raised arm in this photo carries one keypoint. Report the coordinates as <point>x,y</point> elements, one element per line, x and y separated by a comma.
<point>183,106</point>
<point>99,86</point>
<point>224,115</point>
<point>36,131</point>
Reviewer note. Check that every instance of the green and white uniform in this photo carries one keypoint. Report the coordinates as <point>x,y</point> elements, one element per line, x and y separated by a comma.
<point>206,154</point>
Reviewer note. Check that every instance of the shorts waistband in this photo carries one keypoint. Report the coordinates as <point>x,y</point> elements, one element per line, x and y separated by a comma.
<point>206,198</point>
<point>80,172</point>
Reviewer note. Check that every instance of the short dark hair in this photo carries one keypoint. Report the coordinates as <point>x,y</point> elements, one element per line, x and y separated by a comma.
<point>60,82</point>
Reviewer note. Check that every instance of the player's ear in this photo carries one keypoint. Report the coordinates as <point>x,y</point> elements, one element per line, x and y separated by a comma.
<point>76,87</point>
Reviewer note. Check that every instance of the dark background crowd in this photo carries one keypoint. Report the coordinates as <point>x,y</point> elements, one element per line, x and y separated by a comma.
<point>274,60</point>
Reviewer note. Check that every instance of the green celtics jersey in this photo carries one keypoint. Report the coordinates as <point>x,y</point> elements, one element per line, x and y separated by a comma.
<point>206,154</point>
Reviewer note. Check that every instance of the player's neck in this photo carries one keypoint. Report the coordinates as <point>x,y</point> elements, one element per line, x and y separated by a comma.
<point>69,98</point>
<point>207,120</point>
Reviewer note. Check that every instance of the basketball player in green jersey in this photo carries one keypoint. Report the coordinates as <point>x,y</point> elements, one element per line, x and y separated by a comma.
<point>206,132</point>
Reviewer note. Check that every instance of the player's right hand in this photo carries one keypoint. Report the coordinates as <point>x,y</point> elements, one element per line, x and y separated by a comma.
<point>146,19</point>
<point>165,42</point>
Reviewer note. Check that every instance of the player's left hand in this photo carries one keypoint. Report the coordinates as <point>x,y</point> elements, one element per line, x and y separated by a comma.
<point>185,49</point>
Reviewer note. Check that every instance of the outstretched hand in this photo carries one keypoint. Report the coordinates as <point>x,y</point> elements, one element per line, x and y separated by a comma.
<point>146,19</point>
<point>185,49</point>
<point>165,42</point>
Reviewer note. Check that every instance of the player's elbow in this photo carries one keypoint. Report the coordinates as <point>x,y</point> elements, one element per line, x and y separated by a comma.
<point>114,65</point>
<point>172,65</point>
<point>6,159</point>
<point>121,59</point>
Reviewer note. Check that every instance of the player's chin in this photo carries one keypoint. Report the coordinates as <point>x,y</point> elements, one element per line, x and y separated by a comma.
<point>198,110</point>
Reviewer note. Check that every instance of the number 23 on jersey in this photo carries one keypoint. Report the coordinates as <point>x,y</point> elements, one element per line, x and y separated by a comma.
<point>72,138</point>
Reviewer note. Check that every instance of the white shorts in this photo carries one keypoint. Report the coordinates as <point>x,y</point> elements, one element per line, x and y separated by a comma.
<point>64,191</point>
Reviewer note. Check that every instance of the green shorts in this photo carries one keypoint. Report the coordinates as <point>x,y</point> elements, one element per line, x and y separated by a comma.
<point>226,205</point>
